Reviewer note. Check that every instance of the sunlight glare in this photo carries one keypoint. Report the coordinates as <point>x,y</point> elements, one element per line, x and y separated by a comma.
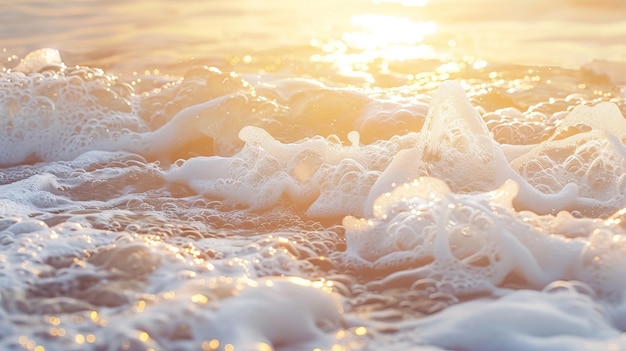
<point>381,31</point>
<point>408,3</point>
<point>376,41</point>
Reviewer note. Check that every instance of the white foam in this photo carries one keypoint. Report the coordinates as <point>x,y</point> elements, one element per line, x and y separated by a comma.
<point>29,245</point>
<point>477,242</point>
<point>562,319</point>
<point>382,119</point>
<point>61,113</point>
<point>39,60</point>
<point>88,181</point>
<point>605,117</point>
<point>301,315</point>
<point>473,242</point>
<point>235,311</point>
<point>455,146</point>
<point>444,207</point>
<point>591,159</point>
<point>324,178</point>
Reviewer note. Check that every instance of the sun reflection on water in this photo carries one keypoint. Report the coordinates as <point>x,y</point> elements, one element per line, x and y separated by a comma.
<point>383,31</point>
<point>420,3</point>
<point>376,41</point>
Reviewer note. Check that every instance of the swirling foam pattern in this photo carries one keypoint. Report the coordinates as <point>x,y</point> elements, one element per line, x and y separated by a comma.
<point>221,211</point>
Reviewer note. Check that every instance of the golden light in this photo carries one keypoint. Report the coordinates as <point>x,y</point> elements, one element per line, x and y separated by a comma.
<point>376,41</point>
<point>144,337</point>
<point>382,31</point>
<point>210,345</point>
<point>199,299</point>
<point>408,3</point>
<point>360,331</point>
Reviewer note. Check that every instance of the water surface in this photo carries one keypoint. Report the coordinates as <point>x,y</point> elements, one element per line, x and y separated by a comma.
<point>296,175</point>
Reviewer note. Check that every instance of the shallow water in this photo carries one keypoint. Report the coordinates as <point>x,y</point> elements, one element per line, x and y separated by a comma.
<point>294,175</point>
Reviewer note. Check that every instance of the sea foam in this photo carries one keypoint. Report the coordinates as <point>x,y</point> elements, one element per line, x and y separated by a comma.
<point>454,145</point>
<point>181,213</point>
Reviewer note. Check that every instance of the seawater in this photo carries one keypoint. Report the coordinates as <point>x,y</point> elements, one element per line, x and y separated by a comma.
<point>295,175</point>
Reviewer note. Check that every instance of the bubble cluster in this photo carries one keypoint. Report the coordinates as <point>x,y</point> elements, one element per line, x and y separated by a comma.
<point>59,114</point>
<point>183,213</point>
<point>308,173</point>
